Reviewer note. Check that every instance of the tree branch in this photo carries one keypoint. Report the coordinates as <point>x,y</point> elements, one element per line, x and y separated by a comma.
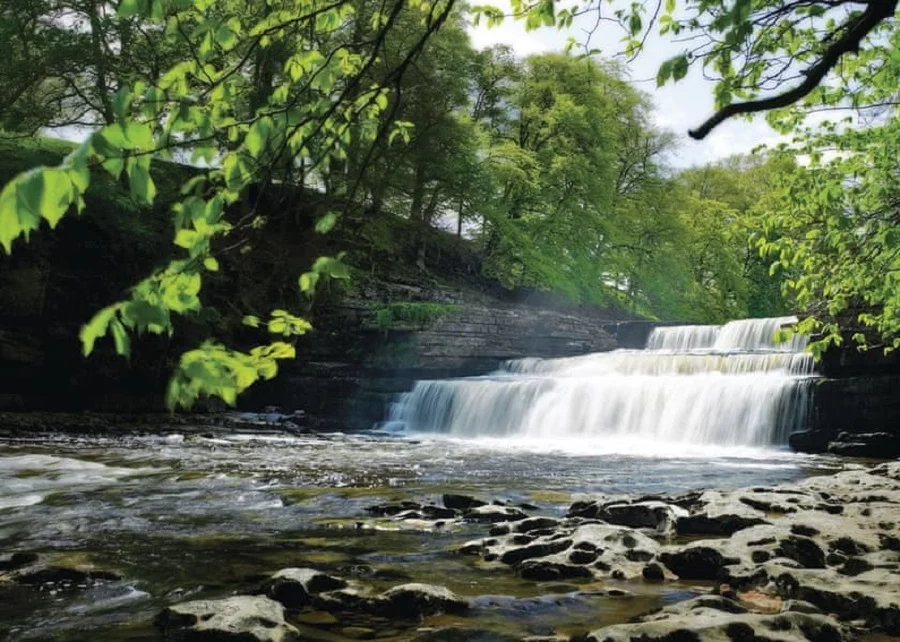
<point>860,27</point>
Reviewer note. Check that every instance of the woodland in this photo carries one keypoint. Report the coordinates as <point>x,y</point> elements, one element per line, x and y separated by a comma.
<point>204,123</point>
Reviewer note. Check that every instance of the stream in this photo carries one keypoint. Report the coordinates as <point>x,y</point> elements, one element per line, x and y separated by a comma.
<point>187,516</point>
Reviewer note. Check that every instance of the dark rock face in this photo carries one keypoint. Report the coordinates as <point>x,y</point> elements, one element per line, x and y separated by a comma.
<point>854,416</point>
<point>350,370</point>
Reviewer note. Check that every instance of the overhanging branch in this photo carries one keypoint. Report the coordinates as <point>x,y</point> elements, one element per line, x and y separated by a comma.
<point>875,13</point>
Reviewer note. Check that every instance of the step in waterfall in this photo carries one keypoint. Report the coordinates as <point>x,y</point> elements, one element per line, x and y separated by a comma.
<point>729,385</point>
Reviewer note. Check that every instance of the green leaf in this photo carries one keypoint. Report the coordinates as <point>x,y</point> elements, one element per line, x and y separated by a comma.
<point>120,337</point>
<point>679,67</point>
<point>129,8</point>
<point>186,238</point>
<point>143,189</point>
<point>211,264</point>
<point>57,195</point>
<point>308,281</point>
<point>96,328</point>
<point>326,223</point>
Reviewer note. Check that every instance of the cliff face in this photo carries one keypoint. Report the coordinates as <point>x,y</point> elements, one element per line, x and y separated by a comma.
<point>348,372</point>
<point>855,407</point>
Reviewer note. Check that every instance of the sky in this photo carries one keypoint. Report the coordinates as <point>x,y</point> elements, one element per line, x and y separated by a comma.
<point>678,106</point>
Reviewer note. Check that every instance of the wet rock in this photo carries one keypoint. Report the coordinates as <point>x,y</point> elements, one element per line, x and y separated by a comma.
<point>799,606</point>
<point>461,502</point>
<point>705,620</point>
<point>875,445</point>
<point>14,561</point>
<point>653,572</point>
<point>392,509</point>
<point>719,513</point>
<point>533,524</point>
<point>358,632</point>
<point>539,549</point>
<point>419,600</point>
<point>295,587</point>
<point>649,514</point>
<point>436,512</point>
<point>699,561</point>
<point>492,513</point>
<point>803,550</point>
<point>541,570</point>
<point>238,619</point>
<point>809,441</point>
<point>78,575</point>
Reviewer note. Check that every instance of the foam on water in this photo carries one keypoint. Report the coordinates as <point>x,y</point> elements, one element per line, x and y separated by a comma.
<point>27,480</point>
<point>692,387</point>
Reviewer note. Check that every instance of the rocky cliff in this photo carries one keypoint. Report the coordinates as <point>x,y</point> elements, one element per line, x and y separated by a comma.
<point>350,369</point>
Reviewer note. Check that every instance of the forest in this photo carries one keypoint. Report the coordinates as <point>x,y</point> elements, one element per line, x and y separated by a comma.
<point>548,167</point>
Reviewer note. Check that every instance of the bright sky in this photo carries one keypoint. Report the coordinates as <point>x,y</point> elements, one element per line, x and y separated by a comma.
<point>679,106</point>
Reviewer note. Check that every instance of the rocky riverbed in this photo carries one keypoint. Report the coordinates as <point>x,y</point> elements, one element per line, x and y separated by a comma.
<point>816,559</point>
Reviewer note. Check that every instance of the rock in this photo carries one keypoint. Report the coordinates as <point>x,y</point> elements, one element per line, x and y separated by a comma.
<point>430,511</point>
<point>760,602</point>
<point>698,561</point>
<point>61,575</point>
<point>534,524</point>
<point>799,606</point>
<point>718,513</point>
<point>809,441</point>
<point>540,549</point>
<point>491,513</point>
<point>541,570</point>
<point>393,508</point>
<point>461,502</point>
<point>419,600</point>
<point>295,587</point>
<point>14,561</point>
<point>720,620</point>
<point>239,619</point>
<point>653,572</point>
<point>649,514</point>
<point>876,445</point>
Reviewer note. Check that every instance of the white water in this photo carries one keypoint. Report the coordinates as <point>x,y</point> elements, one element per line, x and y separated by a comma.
<point>692,387</point>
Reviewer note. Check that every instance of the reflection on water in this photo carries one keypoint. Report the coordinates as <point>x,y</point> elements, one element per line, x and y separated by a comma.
<point>182,517</point>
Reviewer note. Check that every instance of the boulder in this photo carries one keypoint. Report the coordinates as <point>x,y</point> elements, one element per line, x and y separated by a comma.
<point>492,513</point>
<point>648,514</point>
<point>295,587</point>
<point>461,502</point>
<point>419,600</point>
<point>243,618</point>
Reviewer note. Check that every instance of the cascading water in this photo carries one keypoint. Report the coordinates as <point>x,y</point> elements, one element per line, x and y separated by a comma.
<point>729,385</point>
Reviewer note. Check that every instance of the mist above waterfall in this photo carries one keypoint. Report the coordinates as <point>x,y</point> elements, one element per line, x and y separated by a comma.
<point>729,385</point>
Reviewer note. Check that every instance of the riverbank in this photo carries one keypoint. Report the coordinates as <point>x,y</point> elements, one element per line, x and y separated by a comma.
<point>107,534</point>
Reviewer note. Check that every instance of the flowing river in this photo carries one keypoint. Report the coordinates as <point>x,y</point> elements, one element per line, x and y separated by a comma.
<point>187,515</point>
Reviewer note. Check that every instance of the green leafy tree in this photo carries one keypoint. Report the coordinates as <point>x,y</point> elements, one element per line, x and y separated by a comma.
<point>321,97</point>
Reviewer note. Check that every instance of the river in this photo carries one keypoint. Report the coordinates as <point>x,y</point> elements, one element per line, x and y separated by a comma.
<point>182,516</point>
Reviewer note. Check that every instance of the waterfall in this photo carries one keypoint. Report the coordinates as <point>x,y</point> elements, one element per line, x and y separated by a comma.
<point>729,385</point>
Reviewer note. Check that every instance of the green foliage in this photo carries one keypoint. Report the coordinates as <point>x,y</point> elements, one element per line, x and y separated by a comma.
<point>390,315</point>
<point>325,101</point>
<point>833,229</point>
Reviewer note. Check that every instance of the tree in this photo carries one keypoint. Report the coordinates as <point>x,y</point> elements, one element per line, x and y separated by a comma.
<point>322,99</point>
<point>763,55</point>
